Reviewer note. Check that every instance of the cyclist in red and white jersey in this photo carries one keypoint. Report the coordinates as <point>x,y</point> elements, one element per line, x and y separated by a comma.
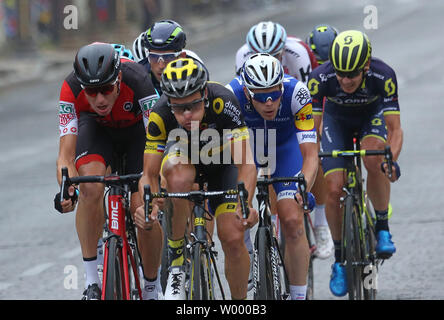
<point>104,106</point>
<point>270,37</point>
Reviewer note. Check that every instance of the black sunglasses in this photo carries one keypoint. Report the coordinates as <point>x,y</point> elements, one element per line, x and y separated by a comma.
<point>180,108</point>
<point>350,74</point>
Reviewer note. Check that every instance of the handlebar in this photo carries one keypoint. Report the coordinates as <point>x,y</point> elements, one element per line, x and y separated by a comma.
<point>110,180</point>
<point>196,196</point>
<point>299,179</point>
<point>387,153</point>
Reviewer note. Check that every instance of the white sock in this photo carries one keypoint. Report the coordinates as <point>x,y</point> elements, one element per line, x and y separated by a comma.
<point>150,291</point>
<point>298,292</point>
<point>320,218</point>
<point>92,276</point>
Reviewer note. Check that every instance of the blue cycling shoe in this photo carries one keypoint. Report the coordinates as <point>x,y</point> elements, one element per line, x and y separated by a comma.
<point>385,246</point>
<point>338,280</point>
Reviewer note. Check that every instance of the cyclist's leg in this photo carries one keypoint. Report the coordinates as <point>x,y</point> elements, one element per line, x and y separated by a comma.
<point>179,176</point>
<point>335,137</point>
<point>374,136</point>
<point>93,155</point>
<point>290,214</point>
<point>149,241</point>
<point>230,231</point>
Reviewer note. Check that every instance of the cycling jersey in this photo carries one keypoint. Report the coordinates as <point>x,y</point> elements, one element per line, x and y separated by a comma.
<point>136,98</point>
<point>379,89</point>
<point>293,125</point>
<point>297,58</point>
<point>222,124</point>
<point>156,83</point>
<point>221,112</point>
<point>361,112</point>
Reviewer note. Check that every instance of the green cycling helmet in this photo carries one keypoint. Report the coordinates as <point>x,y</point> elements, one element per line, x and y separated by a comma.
<point>350,51</point>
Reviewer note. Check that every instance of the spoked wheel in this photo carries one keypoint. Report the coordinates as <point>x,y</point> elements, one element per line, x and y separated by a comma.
<point>201,287</point>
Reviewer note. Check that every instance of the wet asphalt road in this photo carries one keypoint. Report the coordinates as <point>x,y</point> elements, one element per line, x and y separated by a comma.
<point>39,249</point>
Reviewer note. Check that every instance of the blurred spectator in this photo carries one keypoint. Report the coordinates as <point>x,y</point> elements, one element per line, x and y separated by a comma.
<point>150,10</point>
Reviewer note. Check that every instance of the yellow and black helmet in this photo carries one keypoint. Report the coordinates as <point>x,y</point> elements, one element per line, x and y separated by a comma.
<point>183,77</point>
<point>350,51</point>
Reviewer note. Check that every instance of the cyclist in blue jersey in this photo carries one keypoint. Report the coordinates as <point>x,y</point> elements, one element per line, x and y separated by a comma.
<point>280,106</point>
<point>361,95</point>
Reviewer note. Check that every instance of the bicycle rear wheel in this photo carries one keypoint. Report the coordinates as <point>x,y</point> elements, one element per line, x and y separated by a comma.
<point>353,254</point>
<point>262,271</point>
<point>113,273</point>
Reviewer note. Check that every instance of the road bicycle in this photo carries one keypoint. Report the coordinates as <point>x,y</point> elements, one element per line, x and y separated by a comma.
<point>200,256</point>
<point>122,261</point>
<point>270,278</point>
<point>358,253</point>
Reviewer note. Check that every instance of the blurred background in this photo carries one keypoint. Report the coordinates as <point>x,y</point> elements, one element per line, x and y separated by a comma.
<point>40,256</point>
<point>45,24</point>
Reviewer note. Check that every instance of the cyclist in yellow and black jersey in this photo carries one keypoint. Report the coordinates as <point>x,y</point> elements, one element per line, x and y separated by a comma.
<point>188,134</point>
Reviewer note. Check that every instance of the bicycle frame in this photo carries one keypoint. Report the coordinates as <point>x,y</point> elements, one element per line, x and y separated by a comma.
<point>355,190</point>
<point>265,229</point>
<point>199,241</point>
<point>118,216</point>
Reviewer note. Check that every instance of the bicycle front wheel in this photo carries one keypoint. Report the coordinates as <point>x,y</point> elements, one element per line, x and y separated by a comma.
<point>201,287</point>
<point>262,269</point>
<point>113,273</point>
<point>352,250</point>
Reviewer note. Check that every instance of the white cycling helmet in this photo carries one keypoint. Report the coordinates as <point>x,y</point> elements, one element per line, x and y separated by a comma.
<point>139,51</point>
<point>261,71</point>
<point>266,37</point>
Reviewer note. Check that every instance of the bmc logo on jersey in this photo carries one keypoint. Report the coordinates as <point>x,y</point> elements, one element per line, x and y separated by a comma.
<point>304,118</point>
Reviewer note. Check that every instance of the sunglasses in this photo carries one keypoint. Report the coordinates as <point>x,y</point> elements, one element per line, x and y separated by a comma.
<point>182,107</point>
<point>350,75</point>
<point>163,57</point>
<point>105,90</point>
<point>263,97</point>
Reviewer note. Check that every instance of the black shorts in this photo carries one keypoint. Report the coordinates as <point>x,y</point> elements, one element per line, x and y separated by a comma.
<point>100,143</point>
<point>218,177</point>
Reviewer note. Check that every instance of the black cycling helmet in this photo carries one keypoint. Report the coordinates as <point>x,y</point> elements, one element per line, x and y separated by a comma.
<point>96,64</point>
<point>320,40</point>
<point>165,35</point>
<point>183,77</point>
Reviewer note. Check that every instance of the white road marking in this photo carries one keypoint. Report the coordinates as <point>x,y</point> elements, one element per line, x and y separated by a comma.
<point>37,269</point>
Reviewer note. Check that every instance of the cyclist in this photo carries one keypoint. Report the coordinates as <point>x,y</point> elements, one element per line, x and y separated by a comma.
<point>361,96</point>
<point>102,104</point>
<point>123,52</point>
<point>162,43</point>
<point>271,100</point>
<point>269,37</point>
<point>319,41</point>
<point>191,106</point>
<point>298,61</point>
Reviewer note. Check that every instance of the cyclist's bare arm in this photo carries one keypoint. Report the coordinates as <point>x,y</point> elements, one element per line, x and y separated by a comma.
<point>67,154</point>
<point>66,158</point>
<point>394,134</point>
<point>310,164</point>
<point>246,173</point>
<point>150,176</point>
